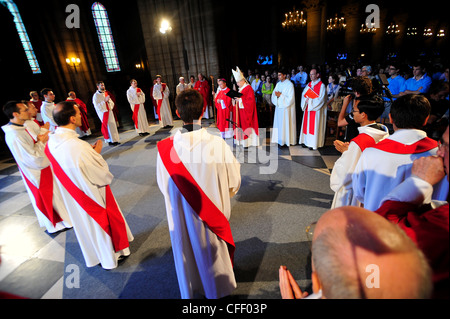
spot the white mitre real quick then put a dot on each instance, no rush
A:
(238, 75)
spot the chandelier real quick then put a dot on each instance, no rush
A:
(411, 31)
(336, 24)
(368, 30)
(293, 20)
(393, 29)
(441, 33)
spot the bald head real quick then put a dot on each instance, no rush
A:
(358, 254)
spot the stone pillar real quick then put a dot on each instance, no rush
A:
(313, 31)
(351, 15)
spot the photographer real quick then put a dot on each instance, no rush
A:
(361, 86)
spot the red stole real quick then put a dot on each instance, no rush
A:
(158, 109)
(201, 204)
(44, 194)
(136, 111)
(109, 218)
(105, 121)
(424, 145)
(312, 114)
(364, 141)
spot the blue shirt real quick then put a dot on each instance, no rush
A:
(413, 85)
(395, 86)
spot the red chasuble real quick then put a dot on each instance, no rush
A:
(202, 205)
(311, 116)
(223, 113)
(203, 88)
(83, 110)
(248, 117)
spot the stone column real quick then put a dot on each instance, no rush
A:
(314, 51)
(351, 15)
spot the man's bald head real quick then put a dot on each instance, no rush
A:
(352, 247)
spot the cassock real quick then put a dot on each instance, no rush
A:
(84, 129)
(384, 166)
(100, 228)
(37, 175)
(38, 103)
(223, 105)
(427, 225)
(284, 130)
(105, 113)
(314, 123)
(162, 99)
(247, 133)
(341, 176)
(47, 114)
(205, 91)
(197, 190)
(138, 109)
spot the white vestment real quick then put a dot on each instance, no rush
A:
(165, 112)
(31, 159)
(341, 176)
(98, 99)
(319, 105)
(90, 173)
(284, 130)
(202, 260)
(379, 172)
(133, 99)
(47, 114)
(34, 129)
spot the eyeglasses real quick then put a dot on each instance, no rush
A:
(354, 111)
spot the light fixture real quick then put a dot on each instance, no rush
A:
(441, 33)
(427, 32)
(368, 29)
(138, 65)
(336, 24)
(393, 29)
(411, 31)
(165, 27)
(293, 20)
(74, 62)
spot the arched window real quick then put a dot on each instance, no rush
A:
(29, 52)
(105, 37)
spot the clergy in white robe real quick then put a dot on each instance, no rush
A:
(341, 176)
(84, 180)
(198, 174)
(35, 169)
(284, 130)
(47, 108)
(104, 106)
(136, 98)
(387, 164)
(314, 106)
(161, 95)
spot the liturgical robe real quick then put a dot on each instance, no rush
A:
(247, 133)
(89, 172)
(102, 107)
(138, 109)
(31, 160)
(205, 91)
(380, 169)
(223, 105)
(341, 176)
(163, 107)
(314, 122)
(284, 130)
(202, 258)
(47, 115)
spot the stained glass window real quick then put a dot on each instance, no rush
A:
(29, 52)
(105, 37)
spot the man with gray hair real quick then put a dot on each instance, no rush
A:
(357, 254)
(182, 85)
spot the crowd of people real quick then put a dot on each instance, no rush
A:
(381, 178)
